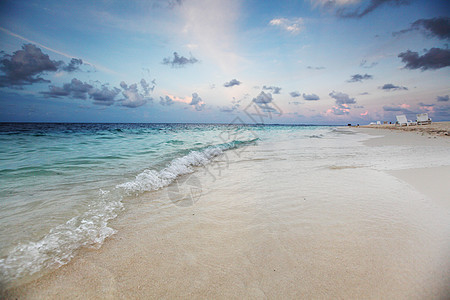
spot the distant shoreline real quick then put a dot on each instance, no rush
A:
(436, 128)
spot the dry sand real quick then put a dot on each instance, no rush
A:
(268, 230)
(436, 128)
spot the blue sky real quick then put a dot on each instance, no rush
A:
(298, 62)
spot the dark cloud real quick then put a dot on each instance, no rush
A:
(295, 102)
(391, 87)
(364, 93)
(179, 61)
(436, 27)
(73, 66)
(166, 101)
(75, 89)
(273, 89)
(197, 102)
(26, 66)
(424, 104)
(263, 98)
(367, 9)
(264, 101)
(359, 77)
(342, 99)
(364, 64)
(295, 94)
(104, 95)
(435, 58)
(231, 83)
(315, 68)
(442, 98)
(311, 97)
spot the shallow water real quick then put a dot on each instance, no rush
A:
(62, 183)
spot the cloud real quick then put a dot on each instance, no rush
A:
(359, 77)
(75, 89)
(424, 104)
(442, 111)
(231, 83)
(364, 10)
(73, 66)
(26, 66)
(197, 102)
(363, 64)
(339, 111)
(264, 101)
(135, 97)
(342, 99)
(104, 95)
(391, 87)
(234, 107)
(435, 27)
(315, 68)
(295, 102)
(311, 97)
(166, 101)
(404, 108)
(435, 58)
(295, 94)
(179, 61)
(273, 89)
(293, 26)
(442, 98)
(263, 98)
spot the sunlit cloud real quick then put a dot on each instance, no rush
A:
(293, 26)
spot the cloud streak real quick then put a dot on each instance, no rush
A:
(435, 27)
(392, 87)
(369, 8)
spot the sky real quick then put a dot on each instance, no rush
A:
(214, 61)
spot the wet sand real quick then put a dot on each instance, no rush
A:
(271, 228)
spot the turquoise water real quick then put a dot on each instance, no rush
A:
(62, 183)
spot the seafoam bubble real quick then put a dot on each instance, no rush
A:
(150, 180)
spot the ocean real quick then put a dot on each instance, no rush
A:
(69, 187)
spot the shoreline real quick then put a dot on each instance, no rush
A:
(268, 228)
(435, 128)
